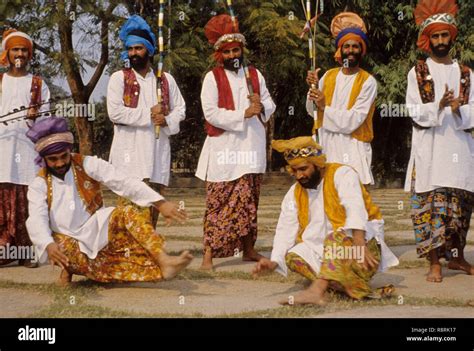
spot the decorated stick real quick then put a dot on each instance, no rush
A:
(47, 113)
(248, 79)
(159, 72)
(312, 40)
(35, 106)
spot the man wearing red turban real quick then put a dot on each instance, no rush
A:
(440, 101)
(233, 157)
(18, 89)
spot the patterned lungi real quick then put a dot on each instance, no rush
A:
(231, 214)
(345, 275)
(13, 215)
(130, 254)
(441, 219)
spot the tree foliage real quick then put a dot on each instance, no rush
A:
(272, 30)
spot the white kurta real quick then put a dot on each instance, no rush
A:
(339, 122)
(443, 155)
(241, 149)
(68, 214)
(135, 149)
(17, 151)
(311, 249)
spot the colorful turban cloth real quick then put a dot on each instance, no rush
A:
(50, 136)
(136, 31)
(433, 16)
(348, 26)
(12, 38)
(223, 34)
(299, 150)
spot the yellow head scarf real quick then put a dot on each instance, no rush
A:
(300, 149)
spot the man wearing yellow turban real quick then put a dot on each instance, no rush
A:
(440, 101)
(344, 102)
(329, 230)
(18, 89)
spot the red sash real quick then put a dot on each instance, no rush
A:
(225, 99)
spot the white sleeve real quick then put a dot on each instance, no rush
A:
(177, 108)
(129, 187)
(219, 117)
(37, 223)
(346, 121)
(118, 112)
(467, 111)
(265, 98)
(348, 188)
(286, 231)
(45, 96)
(425, 115)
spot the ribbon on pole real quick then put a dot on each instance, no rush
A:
(161, 53)
(310, 28)
(244, 64)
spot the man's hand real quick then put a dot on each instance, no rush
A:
(318, 97)
(158, 116)
(447, 99)
(171, 212)
(32, 114)
(254, 99)
(159, 120)
(253, 110)
(312, 77)
(56, 257)
(264, 266)
(455, 107)
(369, 261)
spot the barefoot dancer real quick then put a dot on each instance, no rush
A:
(329, 230)
(441, 167)
(233, 157)
(69, 225)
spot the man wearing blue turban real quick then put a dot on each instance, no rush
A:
(133, 107)
(342, 102)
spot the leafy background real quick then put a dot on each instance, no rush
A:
(76, 37)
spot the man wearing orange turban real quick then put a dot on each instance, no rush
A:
(18, 89)
(344, 103)
(440, 101)
(233, 157)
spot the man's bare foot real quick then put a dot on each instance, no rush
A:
(434, 275)
(65, 278)
(171, 265)
(305, 297)
(461, 265)
(206, 264)
(252, 256)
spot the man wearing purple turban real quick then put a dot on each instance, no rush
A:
(69, 225)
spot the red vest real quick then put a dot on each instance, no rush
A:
(225, 99)
(131, 90)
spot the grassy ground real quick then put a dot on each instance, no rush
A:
(78, 300)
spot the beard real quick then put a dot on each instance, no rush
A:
(59, 172)
(22, 62)
(138, 63)
(441, 50)
(354, 62)
(311, 182)
(233, 64)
